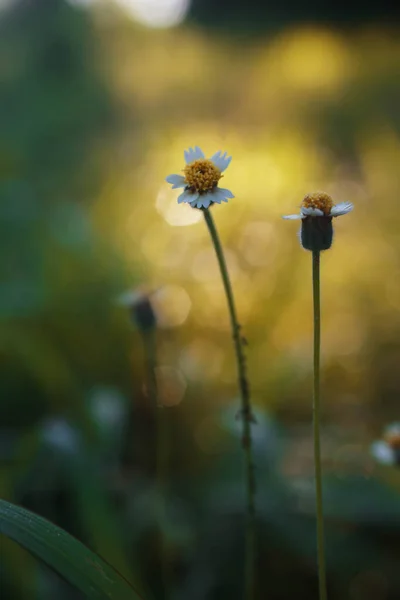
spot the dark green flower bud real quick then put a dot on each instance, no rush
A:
(140, 309)
(316, 233)
(142, 314)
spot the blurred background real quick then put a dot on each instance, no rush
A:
(100, 98)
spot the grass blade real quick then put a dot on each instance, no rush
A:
(65, 554)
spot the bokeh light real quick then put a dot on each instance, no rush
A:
(153, 13)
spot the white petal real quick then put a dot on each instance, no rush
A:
(183, 197)
(204, 200)
(60, 435)
(187, 196)
(221, 161)
(207, 200)
(383, 453)
(341, 209)
(215, 197)
(199, 152)
(130, 298)
(174, 178)
(215, 158)
(227, 193)
(193, 154)
(312, 212)
(292, 217)
(218, 196)
(177, 181)
(198, 203)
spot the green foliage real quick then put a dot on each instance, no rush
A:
(66, 555)
(55, 104)
(260, 16)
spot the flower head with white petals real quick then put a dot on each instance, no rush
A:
(200, 179)
(387, 450)
(320, 204)
(316, 213)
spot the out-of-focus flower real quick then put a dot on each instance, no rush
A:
(387, 450)
(201, 177)
(138, 302)
(59, 434)
(316, 213)
(108, 407)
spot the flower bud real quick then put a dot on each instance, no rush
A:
(140, 309)
(142, 314)
(316, 233)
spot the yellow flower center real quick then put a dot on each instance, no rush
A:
(202, 175)
(318, 200)
(393, 440)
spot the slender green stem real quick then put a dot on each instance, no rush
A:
(316, 425)
(161, 451)
(246, 413)
(150, 352)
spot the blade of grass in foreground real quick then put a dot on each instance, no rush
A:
(63, 553)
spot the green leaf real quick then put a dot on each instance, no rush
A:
(63, 553)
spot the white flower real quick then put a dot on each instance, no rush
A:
(320, 204)
(201, 177)
(59, 434)
(108, 408)
(383, 453)
(387, 451)
(316, 212)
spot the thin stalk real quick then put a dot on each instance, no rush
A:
(161, 451)
(316, 425)
(246, 413)
(150, 357)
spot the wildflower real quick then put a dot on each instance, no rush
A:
(387, 450)
(316, 213)
(59, 434)
(141, 310)
(200, 182)
(108, 408)
(200, 179)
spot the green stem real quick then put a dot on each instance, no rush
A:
(150, 352)
(161, 450)
(246, 413)
(316, 425)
